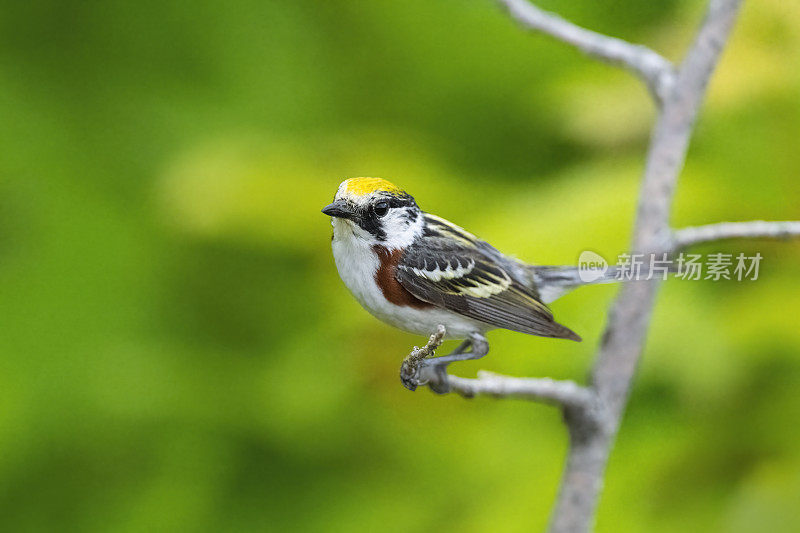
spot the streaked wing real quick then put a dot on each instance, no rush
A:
(463, 275)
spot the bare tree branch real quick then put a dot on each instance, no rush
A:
(564, 393)
(592, 414)
(756, 229)
(656, 71)
(629, 316)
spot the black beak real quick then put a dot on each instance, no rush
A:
(340, 209)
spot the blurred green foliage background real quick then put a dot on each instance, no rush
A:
(179, 354)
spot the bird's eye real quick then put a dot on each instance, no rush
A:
(381, 208)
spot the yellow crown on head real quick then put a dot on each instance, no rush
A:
(364, 186)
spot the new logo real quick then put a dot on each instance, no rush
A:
(591, 266)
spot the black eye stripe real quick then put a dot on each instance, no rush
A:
(371, 220)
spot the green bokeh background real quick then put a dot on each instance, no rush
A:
(179, 354)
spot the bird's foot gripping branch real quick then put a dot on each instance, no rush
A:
(421, 368)
(414, 372)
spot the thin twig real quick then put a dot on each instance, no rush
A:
(564, 393)
(656, 71)
(756, 229)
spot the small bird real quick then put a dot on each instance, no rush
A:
(414, 270)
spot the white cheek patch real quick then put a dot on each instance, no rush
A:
(399, 229)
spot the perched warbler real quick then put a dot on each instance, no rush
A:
(414, 270)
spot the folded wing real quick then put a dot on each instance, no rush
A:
(462, 276)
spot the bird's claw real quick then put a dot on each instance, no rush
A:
(409, 374)
(425, 372)
(418, 370)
